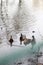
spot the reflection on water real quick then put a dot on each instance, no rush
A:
(23, 53)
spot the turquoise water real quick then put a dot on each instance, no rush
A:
(26, 51)
(14, 56)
